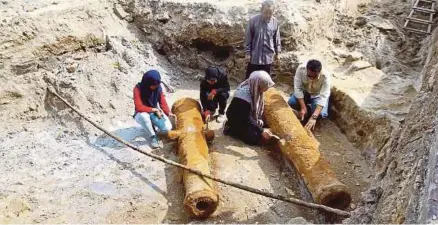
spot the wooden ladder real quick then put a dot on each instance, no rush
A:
(421, 17)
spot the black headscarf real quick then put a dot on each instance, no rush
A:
(150, 97)
(212, 73)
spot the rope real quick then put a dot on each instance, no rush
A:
(236, 185)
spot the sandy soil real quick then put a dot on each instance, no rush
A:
(58, 169)
(62, 174)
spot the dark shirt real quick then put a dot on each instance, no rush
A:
(262, 40)
(221, 86)
(240, 118)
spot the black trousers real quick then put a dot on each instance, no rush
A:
(219, 99)
(252, 67)
(247, 133)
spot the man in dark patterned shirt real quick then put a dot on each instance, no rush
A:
(262, 40)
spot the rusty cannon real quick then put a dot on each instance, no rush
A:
(300, 148)
(201, 200)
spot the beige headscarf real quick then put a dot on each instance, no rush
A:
(249, 90)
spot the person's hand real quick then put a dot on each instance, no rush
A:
(310, 126)
(247, 58)
(266, 135)
(303, 113)
(277, 59)
(173, 116)
(297, 114)
(158, 113)
(211, 96)
(260, 123)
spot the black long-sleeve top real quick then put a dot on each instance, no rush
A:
(222, 85)
(240, 118)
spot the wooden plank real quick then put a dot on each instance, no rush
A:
(419, 20)
(407, 20)
(429, 29)
(427, 1)
(424, 10)
(416, 30)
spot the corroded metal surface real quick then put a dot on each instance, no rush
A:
(303, 151)
(201, 200)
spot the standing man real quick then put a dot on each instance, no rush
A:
(311, 86)
(262, 40)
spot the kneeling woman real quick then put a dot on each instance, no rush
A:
(151, 107)
(244, 115)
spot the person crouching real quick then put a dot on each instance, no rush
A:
(244, 115)
(214, 91)
(151, 108)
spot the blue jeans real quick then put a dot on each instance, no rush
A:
(149, 120)
(295, 104)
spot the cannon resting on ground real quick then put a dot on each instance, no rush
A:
(201, 200)
(302, 150)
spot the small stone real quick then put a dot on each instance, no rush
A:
(434, 217)
(360, 21)
(72, 68)
(350, 44)
(163, 18)
(339, 52)
(24, 66)
(129, 18)
(357, 184)
(337, 41)
(352, 206)
(120, 12)
(354, 56)
(32, 108)
(289, 191)
(359, 65)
